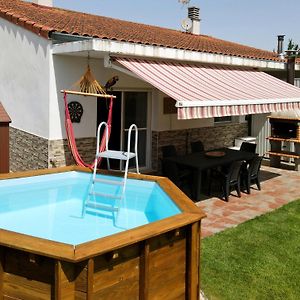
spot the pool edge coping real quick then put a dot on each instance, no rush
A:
(76, 253)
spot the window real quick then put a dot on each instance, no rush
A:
(223, 119)
(297, 82)
(136, 111)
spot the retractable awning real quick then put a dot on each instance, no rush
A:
(204, 91)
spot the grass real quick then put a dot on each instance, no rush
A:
(259, 259)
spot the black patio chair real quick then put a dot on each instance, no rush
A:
(251, 173)
(229, 179)
(168, 151)
(197, 147)
(248, 147)
(181, 179)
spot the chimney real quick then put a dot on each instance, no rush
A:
(42, 2)
(290, 66)
(194, 15)
(280, 39)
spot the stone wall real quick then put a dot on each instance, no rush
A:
(27, 151)
(221, 135)
(30, 152)
(60, 155)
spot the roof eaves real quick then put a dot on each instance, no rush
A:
(36, 28)
(206, 45)
(169, 53)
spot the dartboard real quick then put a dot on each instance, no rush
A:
(76, 111)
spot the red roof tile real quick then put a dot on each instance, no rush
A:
(43, 20)
(4, 117)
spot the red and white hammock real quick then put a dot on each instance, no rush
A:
(71, 137)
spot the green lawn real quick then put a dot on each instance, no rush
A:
(259, 259)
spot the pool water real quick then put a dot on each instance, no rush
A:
(53, 206)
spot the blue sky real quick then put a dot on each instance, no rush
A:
(250, 22)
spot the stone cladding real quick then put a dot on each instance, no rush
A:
(212, 138)
(60, 155)
(27, 151)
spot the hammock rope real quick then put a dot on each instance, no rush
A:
(71, 137)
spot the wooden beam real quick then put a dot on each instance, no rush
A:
(36, 245)
(144, 271)
(192, 262)
(297, 140)
(88, 94)
(90, 278)
(31, 173)
(64, 281)
(132, 236)
(284, 154)
(1, 272)
(4, 148)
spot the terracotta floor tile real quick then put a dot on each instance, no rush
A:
(278, 188)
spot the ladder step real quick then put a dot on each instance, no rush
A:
(114, 154)
(106, 195)
(108, 181)
(101, 206)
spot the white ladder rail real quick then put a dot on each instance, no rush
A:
(132, 127)
(121, 155)
(98, 146)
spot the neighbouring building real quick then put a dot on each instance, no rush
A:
(214, 84)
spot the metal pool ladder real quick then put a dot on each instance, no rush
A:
(111, 154)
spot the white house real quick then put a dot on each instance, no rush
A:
(46, 49)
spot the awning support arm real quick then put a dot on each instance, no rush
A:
(109, 64)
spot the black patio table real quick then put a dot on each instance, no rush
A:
(202, 161)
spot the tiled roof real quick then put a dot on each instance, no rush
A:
(4, 117)
(43, 20)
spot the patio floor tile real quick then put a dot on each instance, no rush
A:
(278, 187)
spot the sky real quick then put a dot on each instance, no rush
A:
(250, 22)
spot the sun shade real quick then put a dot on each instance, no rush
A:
(204, 91)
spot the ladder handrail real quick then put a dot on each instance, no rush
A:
(98, 135)
(108, 153)
(132, 127)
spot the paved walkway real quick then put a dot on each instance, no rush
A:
(279, 187)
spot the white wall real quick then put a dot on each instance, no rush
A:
(66, 71)
(261, 130)
(31, 80)
(24, 78)
(164, 122)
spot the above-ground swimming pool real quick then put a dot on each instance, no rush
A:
(59, 242)
(53, 206)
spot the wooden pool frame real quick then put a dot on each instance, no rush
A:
(160, 260)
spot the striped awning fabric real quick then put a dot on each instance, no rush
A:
(205, 91)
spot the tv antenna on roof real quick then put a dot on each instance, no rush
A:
(184, 2)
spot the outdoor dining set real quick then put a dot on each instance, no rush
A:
(230, 169)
